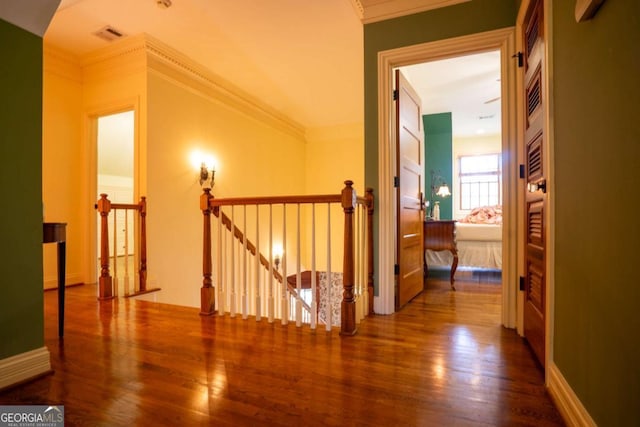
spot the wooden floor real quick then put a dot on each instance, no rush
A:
(444, 360)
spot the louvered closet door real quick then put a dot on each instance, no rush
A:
(536, 199)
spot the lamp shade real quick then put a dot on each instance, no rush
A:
(443, 191)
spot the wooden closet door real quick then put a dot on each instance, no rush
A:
(410, 167)
(536, 197)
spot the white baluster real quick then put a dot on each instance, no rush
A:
(126, 251)
(244, 263)
(220, 298)
(232, 282)
(298, 275)
(328, 297)
(284, 302)
(314, 301)
(258, 303)
(270, 300)
(115, 253)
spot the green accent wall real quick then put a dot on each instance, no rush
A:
(472, 17)
(438, 153)
(21, 296)
(596, 66)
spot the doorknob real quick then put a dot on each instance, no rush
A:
(532, 187)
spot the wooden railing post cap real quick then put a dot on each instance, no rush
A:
(348, 195)
(204, 199)
(104, 204)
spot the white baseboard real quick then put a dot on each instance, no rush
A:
(21, 367)
(572, 410)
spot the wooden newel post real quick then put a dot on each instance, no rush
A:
(143, 244)
(207, 295)
(348, 320)
(105, 282)
(369, 198)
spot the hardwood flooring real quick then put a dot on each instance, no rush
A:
(443, 360)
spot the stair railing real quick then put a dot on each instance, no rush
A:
(250, 282)
(125, 217)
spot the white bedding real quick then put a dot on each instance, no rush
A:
(479, 245)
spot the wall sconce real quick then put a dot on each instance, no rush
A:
(439, 187)
(277, 255)
(206, 166)
(207, 176)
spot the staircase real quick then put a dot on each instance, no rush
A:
(248, 278)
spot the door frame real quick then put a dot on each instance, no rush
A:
(90, 146)
(504, 41)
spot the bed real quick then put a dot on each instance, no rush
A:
(479, 241)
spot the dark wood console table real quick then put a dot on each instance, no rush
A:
(441, 236)
(56, 232)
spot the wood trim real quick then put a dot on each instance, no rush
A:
(24, 366)
(501, 39)
(274, 200)
(569, 405)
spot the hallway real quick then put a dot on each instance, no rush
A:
(444, 360)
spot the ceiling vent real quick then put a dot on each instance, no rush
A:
(109, 33)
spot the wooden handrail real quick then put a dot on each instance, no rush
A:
(209, 204)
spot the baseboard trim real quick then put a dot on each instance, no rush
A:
(23, 367)
(572, 410)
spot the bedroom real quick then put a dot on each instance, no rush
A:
(461, 116)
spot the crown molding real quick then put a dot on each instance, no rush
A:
(389, 9)
(61, 63)
(180, 68)
(146, 53)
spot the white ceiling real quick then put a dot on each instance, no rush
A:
(302, 57)
(467, 86)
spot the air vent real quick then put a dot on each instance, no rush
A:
(109, 34)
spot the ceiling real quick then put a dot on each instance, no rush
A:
(467, 86)
(303, 58)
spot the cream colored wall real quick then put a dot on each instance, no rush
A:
(114, 80)
(333, 155)
(61, 160)
(254, 159)
(489, 144)
(259, 153)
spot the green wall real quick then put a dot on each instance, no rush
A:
(438, 153)
(467, 18)
(596, 90)
(21, 299)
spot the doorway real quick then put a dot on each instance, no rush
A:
(461, 111)
(502, 41)
(115, 135)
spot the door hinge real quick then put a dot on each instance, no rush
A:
(522, 171)
(520, 59)
(395, 95)
(522, 283)
(396, 269)
(396, 181)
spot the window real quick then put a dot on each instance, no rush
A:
(480, 181)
